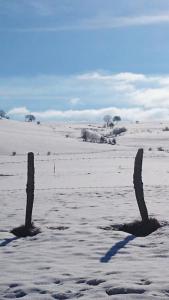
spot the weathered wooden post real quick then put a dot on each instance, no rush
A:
(30, 191)
(138, 185)
(28, 229)
(146, 225)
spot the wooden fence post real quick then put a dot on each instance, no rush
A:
(30, 190)
(138, 185)
(54, 168)
(147, 225)
(28, 229)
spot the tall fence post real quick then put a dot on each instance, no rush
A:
(138, 185)
(28, 229)
(30, 190)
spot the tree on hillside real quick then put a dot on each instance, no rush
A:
(3, 114)
(116, 119)
(30, 118)
(107, 119)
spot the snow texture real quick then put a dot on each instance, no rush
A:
(81, 190)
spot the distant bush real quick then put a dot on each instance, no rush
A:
(166, 129)
(103, 140)
(13, 153)
(160, 149)
(84, 134)
(117, 131)
(38, 122)
(3, 114)
(94, 137)
(48, 153)
(90, 136)
(111, 141)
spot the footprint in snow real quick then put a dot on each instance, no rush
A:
(57, 281)
(144, 282)
(58, 227)
(60, 296)
(13, 285)
(17, 294)
(82, 280)
(95, 282)
(64, 296)
(38, 291)
(117, 291)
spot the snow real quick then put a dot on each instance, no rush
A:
(81, 189)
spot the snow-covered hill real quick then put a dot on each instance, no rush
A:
(80, 190)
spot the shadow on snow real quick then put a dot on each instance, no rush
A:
(5, 242)
(115, 249)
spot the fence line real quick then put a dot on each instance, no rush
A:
(82, 158)
(85, 187)
(12, 162)
(68, 188)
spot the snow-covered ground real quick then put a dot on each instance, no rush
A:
(82, 189)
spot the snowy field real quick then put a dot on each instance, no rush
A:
(81, 189)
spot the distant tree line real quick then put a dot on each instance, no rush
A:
(28, 118)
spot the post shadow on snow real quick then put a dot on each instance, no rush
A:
(5, 242)
(116, 248)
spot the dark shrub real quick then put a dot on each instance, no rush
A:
(166, 129)
(117, 131)
(160, 149)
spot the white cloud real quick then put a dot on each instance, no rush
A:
(74, 101)
(94, 23)
(18, 111)
(152, 97)
(107, 22)
(130, 77)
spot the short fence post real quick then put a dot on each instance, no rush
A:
(54, 168)
(138, 185)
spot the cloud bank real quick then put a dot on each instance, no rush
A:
(95, 115)
(88, 96)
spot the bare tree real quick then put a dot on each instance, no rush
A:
(3, 114)
(107, 119)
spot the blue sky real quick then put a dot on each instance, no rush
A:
(77, 60)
